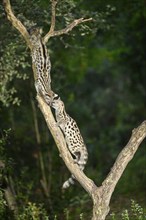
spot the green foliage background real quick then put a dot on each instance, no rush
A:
(99, 71)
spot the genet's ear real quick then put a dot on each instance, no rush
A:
(34, 30)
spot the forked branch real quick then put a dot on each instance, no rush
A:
(65, 30)
(23, 31)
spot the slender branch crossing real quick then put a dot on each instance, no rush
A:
(67, 29)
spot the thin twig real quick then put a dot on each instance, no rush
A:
(38, 138)
(36, 126)
(67, 29)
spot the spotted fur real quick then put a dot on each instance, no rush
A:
(73, 137)
(41, 65)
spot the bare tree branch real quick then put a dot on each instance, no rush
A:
(16, 22)
(125, 156)
(53, 17)
(22, 29)
(65, 30)
(102, 195)
(71, 26)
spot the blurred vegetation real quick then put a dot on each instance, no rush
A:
(99, 71)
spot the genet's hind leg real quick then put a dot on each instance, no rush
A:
(76, 156)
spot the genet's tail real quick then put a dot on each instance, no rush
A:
(68, 182)
(81, 163)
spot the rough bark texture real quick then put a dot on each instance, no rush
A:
(100, 195)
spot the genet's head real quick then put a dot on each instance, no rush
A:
(35, 32)
(58, 104)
